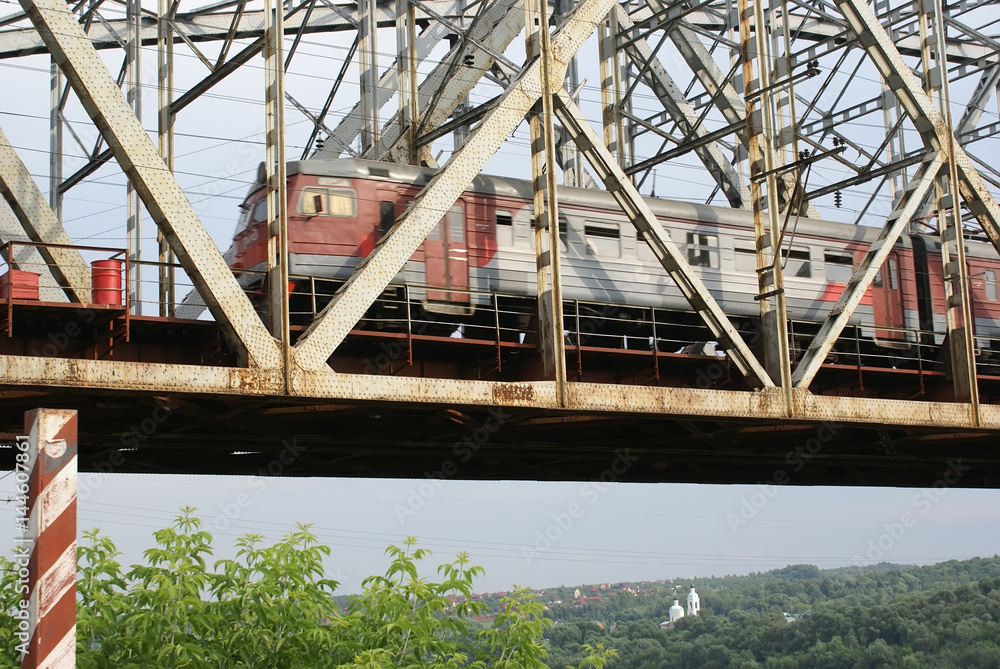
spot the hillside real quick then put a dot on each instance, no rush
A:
(942, 615)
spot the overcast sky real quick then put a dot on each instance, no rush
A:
(625, 532)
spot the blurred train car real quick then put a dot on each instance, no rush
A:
(484, 246)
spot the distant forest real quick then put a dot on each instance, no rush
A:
(942, 615)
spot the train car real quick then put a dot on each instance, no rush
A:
(484, 246)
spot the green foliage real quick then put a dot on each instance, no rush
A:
(941, 616)
(272, 606)
(10, 601)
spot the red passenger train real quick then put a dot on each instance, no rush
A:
(483, 247)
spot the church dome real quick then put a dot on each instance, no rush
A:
(694, 602)
(676, 611)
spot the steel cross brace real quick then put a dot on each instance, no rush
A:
(394, 249)
(40, 224)
(166, 203)
(350, 127)
(499, 24)
(670, 257)
(683, 113)
(920, 108)
(876, 254)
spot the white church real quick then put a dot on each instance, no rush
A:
(677, 611)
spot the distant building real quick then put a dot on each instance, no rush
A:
(694, 602)
(676, 611)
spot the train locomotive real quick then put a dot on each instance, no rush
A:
(483, 247)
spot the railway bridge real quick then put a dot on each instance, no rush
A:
(781, 108)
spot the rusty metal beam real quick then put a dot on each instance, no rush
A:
(764, 405)
(393, 250)
(40, 224)
(164, 200)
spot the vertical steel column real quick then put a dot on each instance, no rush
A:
(611, 86)
(768, 234)
(461, 132)
(165, 135)
(551, 341)
(133, 74)
(958, 307)
(406, 62)
(569, 156)
(48, 454)
(368, 60)
(277, 192)
(55, 140)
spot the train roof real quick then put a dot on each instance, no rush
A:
(356, 168)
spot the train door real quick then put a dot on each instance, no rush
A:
(446, 253)
(887, 299)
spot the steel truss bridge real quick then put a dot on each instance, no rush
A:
(894, 104)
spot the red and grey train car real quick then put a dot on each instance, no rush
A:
(484, 245)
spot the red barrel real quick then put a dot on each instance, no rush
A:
(106, 280)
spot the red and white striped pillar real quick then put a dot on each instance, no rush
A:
(51, 538)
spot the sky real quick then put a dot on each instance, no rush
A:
(521, 532)
(551, 534)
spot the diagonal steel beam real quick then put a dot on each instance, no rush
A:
(917, 104)
(166, 203)
(840, 314)
(40, 224)
(394, 249)
(28, 258)
(618, 184)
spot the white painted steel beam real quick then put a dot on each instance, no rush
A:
(876, 254)
(163, 198)
(39, 224)
(918, 105)
(764, 405)
(670, 257)
(410, 230)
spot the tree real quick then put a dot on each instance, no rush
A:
(272, 606)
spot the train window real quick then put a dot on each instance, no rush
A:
(259, 211)
(456, 225)
(877, 281)
(991, 284)
(702, 249)
(745, 256)
(505, 228)
(796, 263)
(838, 266)
(386, 216)
(342, 203)
(893, 275)
(435, 234)
(313, 201)
(602, 240)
